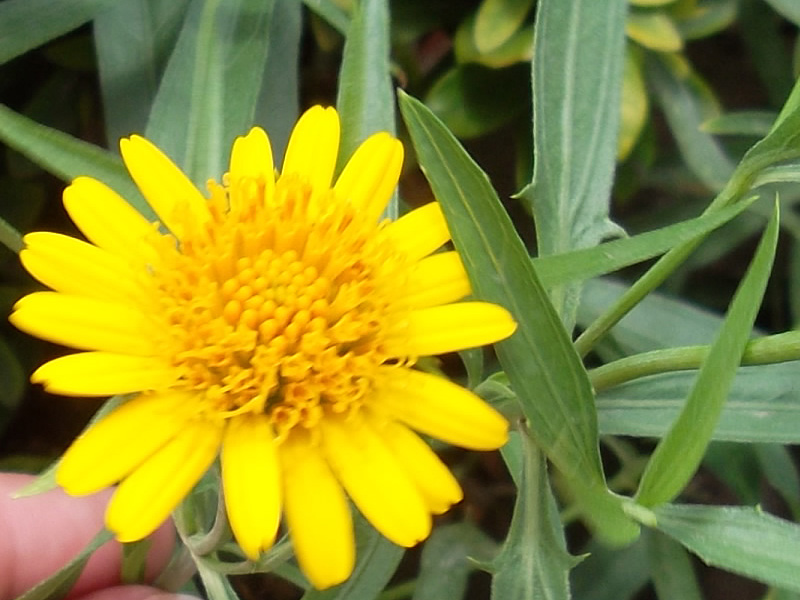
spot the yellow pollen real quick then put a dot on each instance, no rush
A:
(279, 304)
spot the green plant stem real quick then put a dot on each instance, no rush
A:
(201, 546)
(278, 554)
(180, 569)
(765, 350)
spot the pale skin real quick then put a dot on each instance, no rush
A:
(39, 534)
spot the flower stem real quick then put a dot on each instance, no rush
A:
(765, 350)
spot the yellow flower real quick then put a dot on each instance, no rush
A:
(276, 326)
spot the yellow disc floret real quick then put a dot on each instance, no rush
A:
(279, 303)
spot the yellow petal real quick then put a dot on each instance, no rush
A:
(376, 482)
(437, 279)
(313, 147)
(74, 267)
(251, 161)
(103, 374)
(84, 323)
(437, 407)
(251, 481)
(419, 232)
(371, 174)
(122, 440)
(431, 476)
(105, 218)
(452, 327)
(317, 513)
(148, 495)
(174, 198)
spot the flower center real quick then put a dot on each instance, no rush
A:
(279, 304)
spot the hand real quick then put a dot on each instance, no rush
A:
(40, 534)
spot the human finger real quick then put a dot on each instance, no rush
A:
(40, 534)
(134, 592)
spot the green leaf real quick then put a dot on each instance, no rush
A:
(679, 453)
(132, 40)
(653, 30)
(331, 12)
(671, 569)
(578, 265)
(788, 8)
(683, 98)
(365, 101)
(517, 48)
(777, 466)
(216, 584)
(465, 98)
(26, 24)
(539, 358)
(736, 466)
(709, 18)
(743, 540)
(209, 91)
(635, 104)
(761, 31)
(781, 144)
(377, 559)
(534, 562)
(579, 57)
(67, 157)
(497, 21)
(746, 122)
(609, 574)
(59, 584)
(763, 406)
(278, 104)
(448, 558)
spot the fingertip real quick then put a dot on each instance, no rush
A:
(135, 592)
(42, 533)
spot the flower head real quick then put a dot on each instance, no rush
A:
(274, 324)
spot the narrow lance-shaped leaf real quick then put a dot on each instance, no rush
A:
(539, 359)
(365, 101)
(577, 80)
(448, 558)
(132, 42)
(67, 157)
(534, 562)
(578, 265)
(680, 451)
(739, 539)
(209, 91)
(763, 406)
(278, 103)
(679, 94)
(672, 570)
(331, 12)
(26, 24)
(781, 144)
(610, 573)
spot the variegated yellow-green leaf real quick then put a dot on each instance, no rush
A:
(653, 30)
